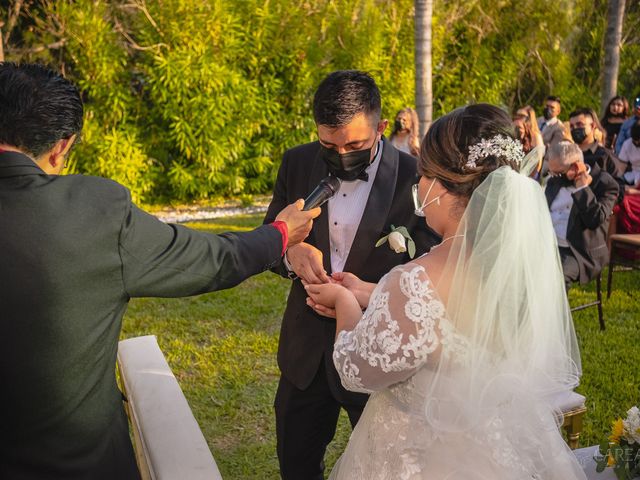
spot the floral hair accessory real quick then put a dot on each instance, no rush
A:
(495, 146)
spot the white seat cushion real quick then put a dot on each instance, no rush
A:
(566, 401)
(172, 442)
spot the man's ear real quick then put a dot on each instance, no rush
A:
(60, 151)
(382, 125)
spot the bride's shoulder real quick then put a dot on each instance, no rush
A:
(414, 269)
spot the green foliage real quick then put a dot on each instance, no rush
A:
(194, 99)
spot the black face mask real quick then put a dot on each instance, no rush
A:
(578, 134)
(548, 114)
(347, 166)
(398, 126)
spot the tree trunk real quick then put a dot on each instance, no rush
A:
(612, 40)
(1, 42)
(424, 92)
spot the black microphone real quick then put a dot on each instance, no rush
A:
(326, 189)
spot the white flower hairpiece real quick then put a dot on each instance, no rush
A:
(498, 145)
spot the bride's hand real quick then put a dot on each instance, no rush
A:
(327, 294)
(321, 309)
(361, 290)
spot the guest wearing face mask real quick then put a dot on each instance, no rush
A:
(375, 194)
(615, 114)
(550, 125)
(582, 122)
(581, 199)
(405, 132)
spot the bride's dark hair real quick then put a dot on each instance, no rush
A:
(445, 147)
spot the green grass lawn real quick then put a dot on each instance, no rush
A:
(222, 348)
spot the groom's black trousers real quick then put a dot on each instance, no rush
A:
(306, 422)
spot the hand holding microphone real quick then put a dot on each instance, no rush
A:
(326, 189)
(299, 218)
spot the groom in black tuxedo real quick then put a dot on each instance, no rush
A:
(73, 251)
(374, 195)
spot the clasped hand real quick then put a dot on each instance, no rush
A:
(324, 290)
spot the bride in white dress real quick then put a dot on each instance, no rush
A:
(463, 348)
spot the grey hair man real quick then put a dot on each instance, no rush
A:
(581, 200)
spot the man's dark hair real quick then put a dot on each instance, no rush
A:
(587, 112)
(553, 98)
(38, 107)
(344, 94)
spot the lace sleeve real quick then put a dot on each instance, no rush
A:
(396, 335)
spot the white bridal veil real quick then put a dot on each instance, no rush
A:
(484, 409)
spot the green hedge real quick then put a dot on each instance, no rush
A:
(193, 99)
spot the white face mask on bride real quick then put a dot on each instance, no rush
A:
(420, 206)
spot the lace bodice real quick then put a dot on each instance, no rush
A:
(403, 329)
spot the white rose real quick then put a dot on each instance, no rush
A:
(632, 425)
(397, 242)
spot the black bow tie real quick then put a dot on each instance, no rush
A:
(364, 176)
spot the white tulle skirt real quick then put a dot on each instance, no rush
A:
(395, 440)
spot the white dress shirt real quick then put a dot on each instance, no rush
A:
(543, 123)
(560, 209)
(631, 154)
(345, 212)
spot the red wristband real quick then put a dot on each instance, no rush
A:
(284, 231)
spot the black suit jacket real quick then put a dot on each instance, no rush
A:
(73, 250)
(306, 337)
(588, 221)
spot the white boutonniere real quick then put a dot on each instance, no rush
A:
(399, 241)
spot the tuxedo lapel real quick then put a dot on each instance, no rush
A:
(551, 191)
(376, 211)
(319, 171)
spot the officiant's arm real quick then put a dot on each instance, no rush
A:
(164, 260)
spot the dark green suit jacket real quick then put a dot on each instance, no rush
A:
(73, 251)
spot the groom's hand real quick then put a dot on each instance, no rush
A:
(299, 223)
(306, 262)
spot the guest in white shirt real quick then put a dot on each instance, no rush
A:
(630, 153)
(581, 201)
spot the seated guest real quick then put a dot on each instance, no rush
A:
(625, 129)
(599, 133)
(536, 136)
(74, 249)
(406, 132)
(581, 200)
(615, 114)
(583, 128)
(630, 154)
(550, 126)
(529, 140)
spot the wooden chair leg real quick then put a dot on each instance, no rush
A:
(611, 265)
(574, 429)
(599, 294)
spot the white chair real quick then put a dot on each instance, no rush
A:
(572, 405)
(168, 442)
